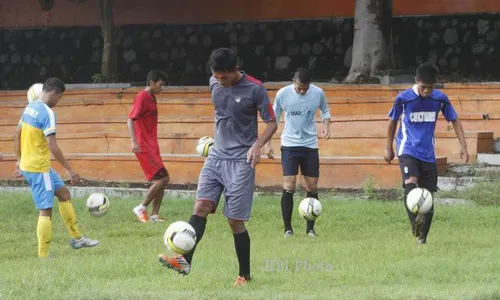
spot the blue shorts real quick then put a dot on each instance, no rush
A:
(43, 187)
(306, 158)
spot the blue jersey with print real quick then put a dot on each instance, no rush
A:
(415, 136)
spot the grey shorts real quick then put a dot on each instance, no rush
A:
(236, 179)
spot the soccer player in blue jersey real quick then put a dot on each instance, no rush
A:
(418, 109)
(299, 140)
(230, 166)
(34, 141)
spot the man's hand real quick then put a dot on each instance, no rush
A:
(75, 177)
(253, 155)
(17, 171)
(268, 150)
(135, 148)
(388, 154)
(464, 155)
(325, 133)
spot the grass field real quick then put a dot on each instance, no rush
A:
(365, 248)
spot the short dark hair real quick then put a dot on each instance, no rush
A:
(223, 60)
(303, 75)
(54, 84)
(427, 73)
(156, 75)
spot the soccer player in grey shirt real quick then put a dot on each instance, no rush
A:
(299, 141)
(230, 166)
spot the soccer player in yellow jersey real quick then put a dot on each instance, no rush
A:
(34, 141)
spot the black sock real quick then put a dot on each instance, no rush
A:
(310, 224)
(427, 224)
(242, 246)
(287, 208)
(411, 216)
(198, 224)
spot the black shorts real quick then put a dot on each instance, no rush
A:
(306, 158)
(426, 172)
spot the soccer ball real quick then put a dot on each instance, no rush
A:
(180, 237)
(97, 204)
(310, 209)
(419, 200)
(203, 145)
(34, 92)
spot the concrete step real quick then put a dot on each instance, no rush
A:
(489, 159)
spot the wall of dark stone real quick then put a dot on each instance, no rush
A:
(465, 47)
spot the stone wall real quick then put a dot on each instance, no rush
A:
(465, 46)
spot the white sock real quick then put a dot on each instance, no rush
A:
(141, 207)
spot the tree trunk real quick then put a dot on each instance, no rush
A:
(372, 47)
(108, 63)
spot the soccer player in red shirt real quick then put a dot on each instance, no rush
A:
(143, 127)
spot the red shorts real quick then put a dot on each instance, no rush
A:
(152, 165)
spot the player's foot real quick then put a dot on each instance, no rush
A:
(83, 242)
(241, 281)
(141, 214)
(178, 264)
(156, 219)
(312, 233)
(288, 233)
(421, 241)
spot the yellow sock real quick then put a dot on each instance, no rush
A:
(44, 234)
(69, 217)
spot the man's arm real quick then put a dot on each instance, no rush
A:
(451, 115)
(266, 112)
(391, 132)
(58, 155)
(394, 114)
(459, 130)
(137, 110)
(17, 143)
(17, 150)
(131, 130)
(278, 109)
(325, 116)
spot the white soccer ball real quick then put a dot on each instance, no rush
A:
(419, 200)
(310, 209)
(203, 145)
(180, 237)
(34, 92)
(97, 204)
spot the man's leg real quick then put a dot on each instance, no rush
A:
(43, 196)
(153, 168)
(410, 173)
(290, 166)
(239, 183)
(427, 180)
(309, 167)
(207, 195)
(68, 214)
(161, 179)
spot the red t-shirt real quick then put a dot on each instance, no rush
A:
(145, 115)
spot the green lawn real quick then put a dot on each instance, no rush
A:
(366, 250)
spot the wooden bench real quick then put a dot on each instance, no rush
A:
(340, 144)
(336, 172)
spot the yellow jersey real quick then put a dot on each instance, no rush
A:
(37, 122)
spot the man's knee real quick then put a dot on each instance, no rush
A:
(237, 226)
(63, 194)
(203, 208)
(311, 184)
(289, 183)
(410, 184)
